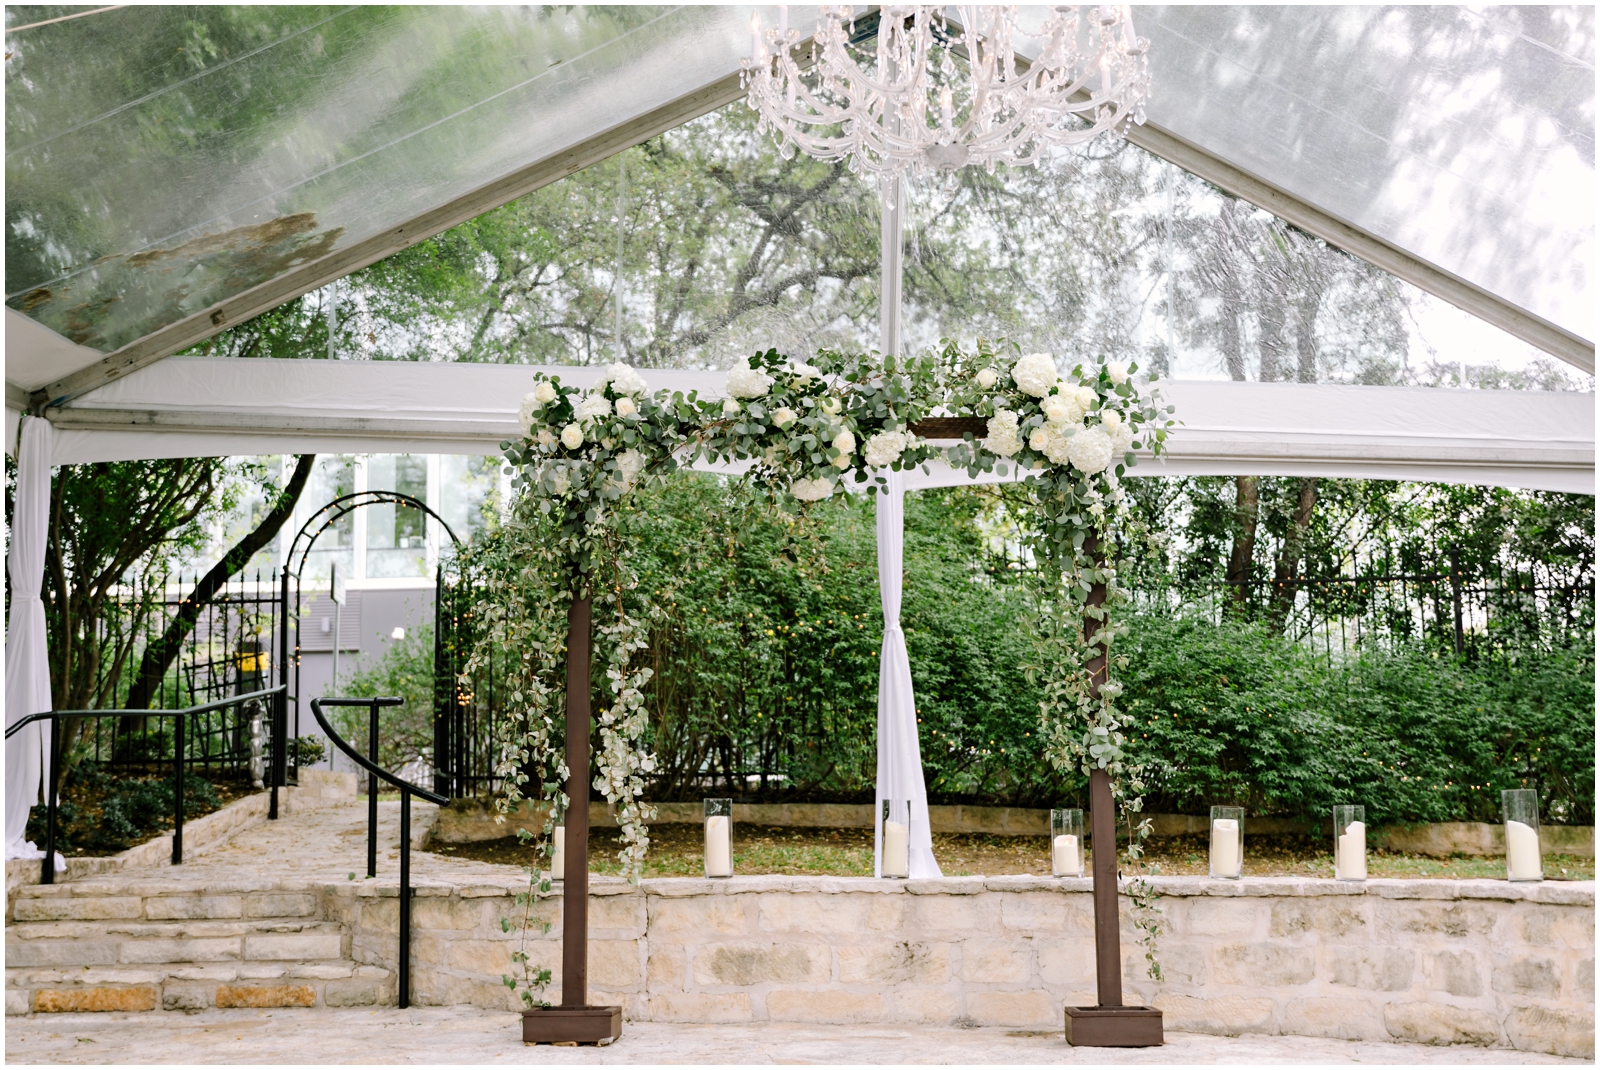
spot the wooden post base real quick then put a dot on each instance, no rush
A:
(1114, 1027)
(571, 1025)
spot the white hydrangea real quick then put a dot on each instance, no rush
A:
(629, 464)
(1118, 372)
(784, 417)
(885, 448)
(1061, 409)
(730, 407)
(528, 410)
(1057, 451)
(1111, 420)
(1035, 374)
(804, 374)
(1089, 450)
(572, 436)
(1121, 443)
(811, 490)
(592, 405)
(623, 379)
(747, 382)
(627, 407)
(1003, 438)
(845, 443)
(987, 378)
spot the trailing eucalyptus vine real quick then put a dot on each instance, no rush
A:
(805, 430)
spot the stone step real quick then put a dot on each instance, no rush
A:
(189, 986)
(52, 944)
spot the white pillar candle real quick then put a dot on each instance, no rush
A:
(719, 846)
(896, 850)
(1064, 857)
(1225, 847)
(1522, 852)
(1350, 861)
(558, 861)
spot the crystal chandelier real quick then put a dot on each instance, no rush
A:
(944, 87)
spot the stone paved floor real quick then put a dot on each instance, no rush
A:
(466, 1035)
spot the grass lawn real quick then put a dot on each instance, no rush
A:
(675, 851)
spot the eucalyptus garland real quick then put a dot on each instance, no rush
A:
(806, 430)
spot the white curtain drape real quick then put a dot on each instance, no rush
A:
(27, 667)
(899, 754)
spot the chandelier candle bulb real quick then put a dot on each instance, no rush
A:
(1350, 843)
(896, 840)
(719, 837)
(1066, 843)
(1521, 810)
(1227, 842)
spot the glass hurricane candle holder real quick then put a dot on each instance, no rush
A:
(895, 838)
(1521, 810)
(1066, 843)
(719, 837)
(1350, 843)
(1227, 842)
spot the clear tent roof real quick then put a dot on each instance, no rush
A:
(166, 164)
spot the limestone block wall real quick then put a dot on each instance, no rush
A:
(1437, 962)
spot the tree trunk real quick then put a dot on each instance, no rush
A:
(1246, 515)
(1287, 569)
(159, 655)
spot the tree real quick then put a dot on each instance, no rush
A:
(160, 653)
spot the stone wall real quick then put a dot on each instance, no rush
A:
(1437, 962)
(471, 820)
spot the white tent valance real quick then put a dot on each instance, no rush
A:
(187, 407)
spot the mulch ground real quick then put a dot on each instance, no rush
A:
(675, 851)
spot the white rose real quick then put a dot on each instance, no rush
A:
(1089, 450)
(1087, 397)
(593, 405)
(623, 379)
(811, 490)
(1035, 374)
(1118, 372)
(546, 439)
(572, 436)
(987, 378)
(746, 382)
(1039, 439)
(730, 407)
(545, 392)
(1111, 420)
(1003, 438)
(784, 417)
(627, 407)
(629, 464)
(845, 443)
(885, 448)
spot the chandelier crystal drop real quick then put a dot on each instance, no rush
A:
(912, 87)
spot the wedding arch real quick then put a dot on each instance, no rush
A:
(803, 431)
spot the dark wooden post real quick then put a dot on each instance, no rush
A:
(1108, 1024)
(574, 1019)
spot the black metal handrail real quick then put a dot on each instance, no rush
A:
(375, 772)
(55, 717)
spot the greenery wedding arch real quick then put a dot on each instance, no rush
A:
(803, 431)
